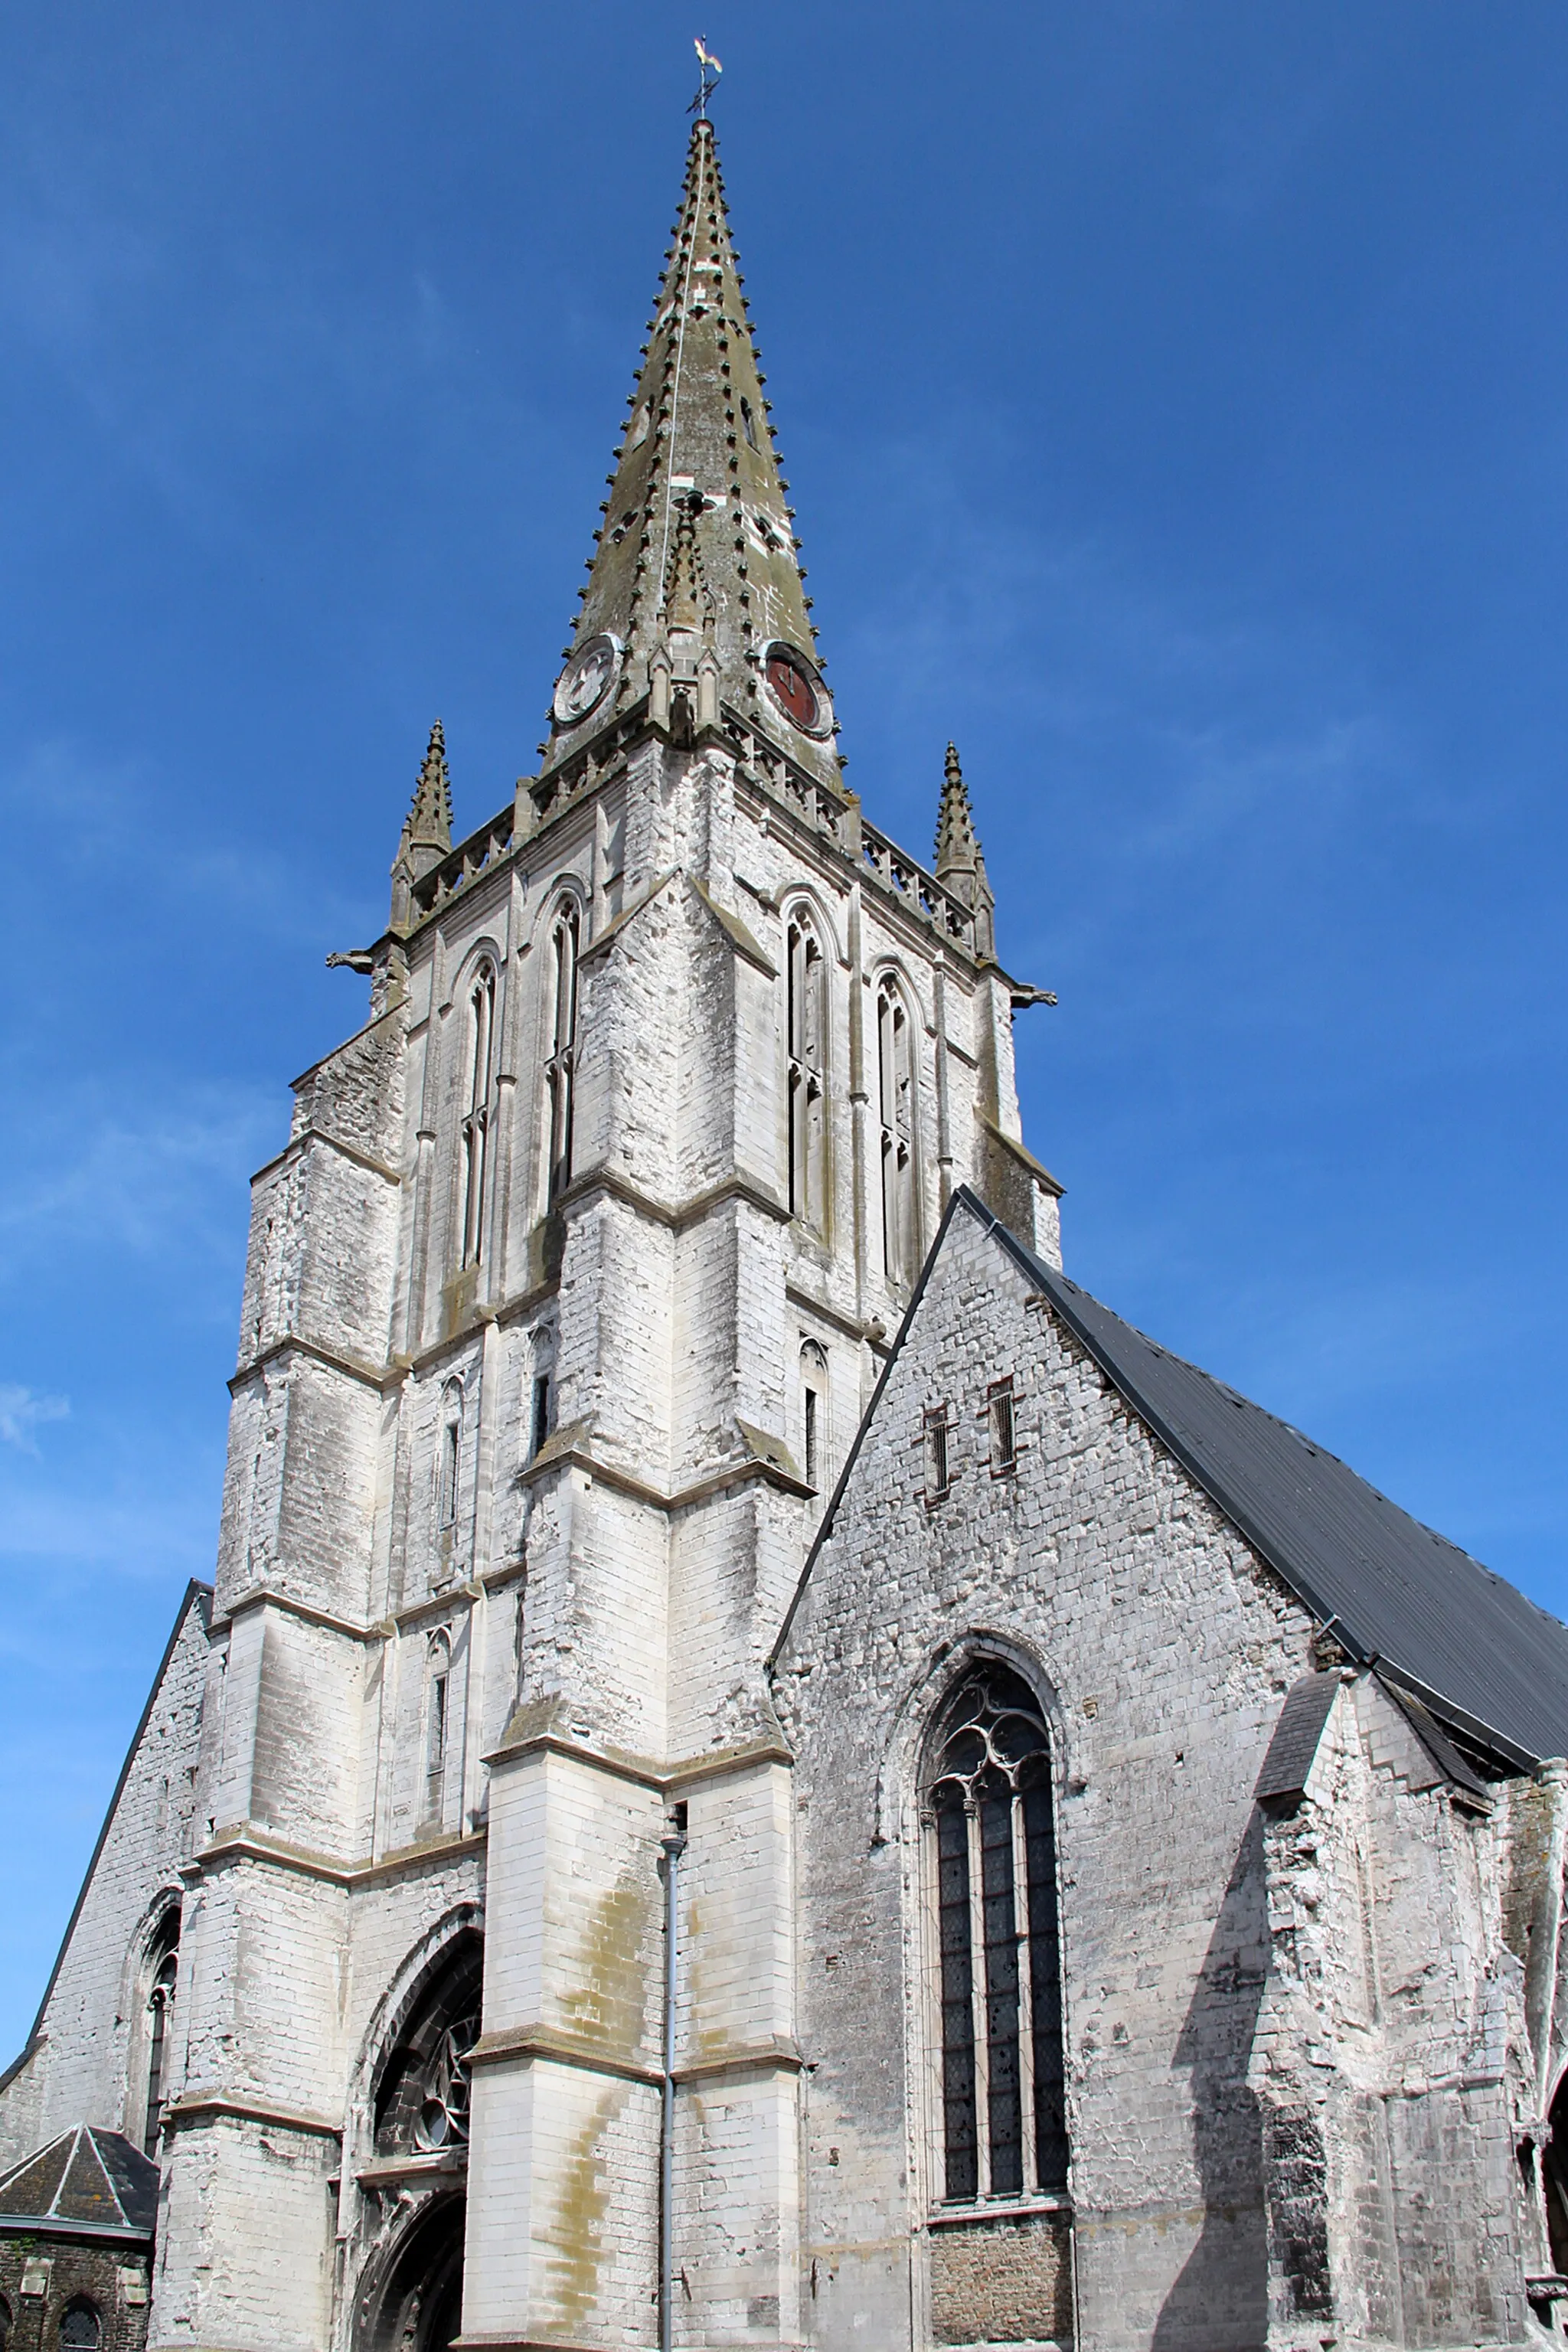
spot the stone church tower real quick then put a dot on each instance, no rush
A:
(760, 1768)
(561, 1308)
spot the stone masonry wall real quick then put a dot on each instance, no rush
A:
(41, 2276)
(1162, 1651)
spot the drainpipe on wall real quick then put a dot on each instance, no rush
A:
(673, 1844)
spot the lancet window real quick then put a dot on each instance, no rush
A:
(438, 1711)
(81, 2326)
(807, 980)
(896, 1094)
(448, 1467)
(477, 1117)
(812, 1411)
(560, 1064)
(990, 1832)
(163, 1963)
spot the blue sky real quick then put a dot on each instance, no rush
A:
(1175, 399)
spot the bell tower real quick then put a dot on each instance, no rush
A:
(561, 1310)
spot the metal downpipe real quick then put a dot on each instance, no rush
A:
(674, 1846)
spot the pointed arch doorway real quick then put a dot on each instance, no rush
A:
(420, 2305)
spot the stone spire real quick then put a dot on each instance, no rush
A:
(428, 825)
(426, 829)
(960, 861)
(698, 459)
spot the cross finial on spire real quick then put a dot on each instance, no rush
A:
(709, 70)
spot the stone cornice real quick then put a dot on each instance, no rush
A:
(204, 2106)
(526, 1736)
(245, 1843)
(677, 1215)
(1021, 1154)
(549, 2042)
(295, 1343)
(568, 1451)
(267, 1596)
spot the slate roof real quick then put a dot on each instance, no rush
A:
(1489, 1663)
(87, 2183)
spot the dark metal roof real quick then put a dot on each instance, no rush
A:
(1487, 1661)
(87, 2183)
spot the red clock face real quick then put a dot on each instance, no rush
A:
(795, 691)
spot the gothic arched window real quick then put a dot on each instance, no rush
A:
(990, 1832)
(422, 2091)
(438, 1678)
(560, 1064)
(163, 1968)
(477, 1118)
(896, 1101)
(81, 2328)
(449, 1463)
(807, 1024)
(812, 1412)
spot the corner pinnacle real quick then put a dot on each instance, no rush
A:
(960, 861)
(430, 820)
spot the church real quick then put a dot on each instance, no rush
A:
(759, 1768)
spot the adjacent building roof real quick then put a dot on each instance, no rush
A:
(1487, 1662)
(87, 2183)
(1480, 1660)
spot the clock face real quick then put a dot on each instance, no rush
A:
(797, 689)
(585, 680)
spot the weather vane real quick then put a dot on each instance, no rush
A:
(710, 69)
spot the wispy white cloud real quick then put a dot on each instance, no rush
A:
(114, 806)
(23, 1411)
(142, 1176)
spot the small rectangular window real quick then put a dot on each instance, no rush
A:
(938, 1481)
(811, 1437)
(1004, 1434)
(541, 1427)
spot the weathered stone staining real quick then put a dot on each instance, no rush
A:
(1086, 1933)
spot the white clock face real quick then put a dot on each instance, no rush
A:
(586, 680)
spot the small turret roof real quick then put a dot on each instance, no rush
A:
(89, 2182)
(698, 448)
(429, 821)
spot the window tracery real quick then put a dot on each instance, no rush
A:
(990, 1832)
(477, 1119)
(806, 1024)
(896, 1096)
(163, 1963)
(421, 2097)
(560, 1064)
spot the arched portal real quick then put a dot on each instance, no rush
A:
(419, 2306)
(410, 2293)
